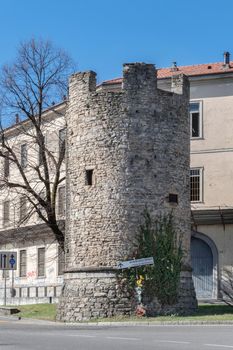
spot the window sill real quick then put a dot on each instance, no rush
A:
(196, 138)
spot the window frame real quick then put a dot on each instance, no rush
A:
(6, 218)
(201, 171)
(24, 265)
(200, 120)
(39, 263)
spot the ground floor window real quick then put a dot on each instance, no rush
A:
(41, 262)
(22, 263)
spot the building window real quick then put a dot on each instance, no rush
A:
(196, 184)
(6, 165)
(195, 119)
(22, 263)
(24, 155)
(41, 262)
(6, 213)
(61, 201)
(61, 261)
(62, 140)
(89, 177)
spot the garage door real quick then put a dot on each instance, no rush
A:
(202, 264)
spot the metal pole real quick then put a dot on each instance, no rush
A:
(5, 288)
(12, 281)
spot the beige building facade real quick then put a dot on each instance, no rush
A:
(211, 173)
(211, 162)
(40, 262)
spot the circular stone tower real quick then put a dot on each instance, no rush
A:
(126, 150)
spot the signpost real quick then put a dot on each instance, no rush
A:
(8, 261)
(134, 263)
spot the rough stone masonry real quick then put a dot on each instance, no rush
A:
(126, 150)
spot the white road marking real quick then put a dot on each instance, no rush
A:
(80, 335)
(173, 341)
(220, 346)
(121, 338)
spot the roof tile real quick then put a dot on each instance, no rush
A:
(194, 70)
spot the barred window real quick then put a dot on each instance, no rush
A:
(41, 262)
(195, 120)
(22, 263)
(196, 185)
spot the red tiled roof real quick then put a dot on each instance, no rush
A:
(113, 81)
(195, 70)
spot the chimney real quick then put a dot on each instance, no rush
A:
(226, 59)
(174, 67)
(16, 118)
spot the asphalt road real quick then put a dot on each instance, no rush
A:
(22, 335)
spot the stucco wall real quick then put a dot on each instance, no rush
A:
(32, 288)
(214, 151)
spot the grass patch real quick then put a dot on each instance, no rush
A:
(38, 311)
(205, 312)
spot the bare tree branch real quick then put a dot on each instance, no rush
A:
(35, 81)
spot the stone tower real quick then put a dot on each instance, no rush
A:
(126, 150)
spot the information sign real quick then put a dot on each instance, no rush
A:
(134, 263)
(8, 260)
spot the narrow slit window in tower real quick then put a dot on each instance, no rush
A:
(89, 177)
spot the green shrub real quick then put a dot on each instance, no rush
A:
(158, 239)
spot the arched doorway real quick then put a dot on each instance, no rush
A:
(204, 265)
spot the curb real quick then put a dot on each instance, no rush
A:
(116, 324)
(148, 323)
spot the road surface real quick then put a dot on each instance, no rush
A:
(23, 335)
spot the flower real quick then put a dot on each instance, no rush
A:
(140, 310)
(139, 281)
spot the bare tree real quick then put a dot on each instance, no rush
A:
(31, 88)
(226, 287)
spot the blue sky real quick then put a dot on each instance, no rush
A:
(103, 34)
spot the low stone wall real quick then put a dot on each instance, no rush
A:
(31, 295)
(92, 295)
